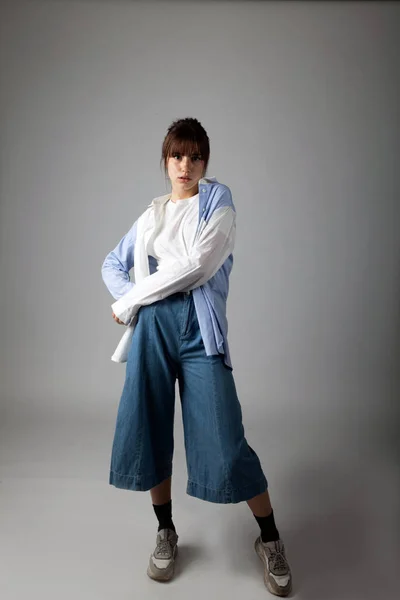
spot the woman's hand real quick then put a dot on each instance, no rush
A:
(117, 320)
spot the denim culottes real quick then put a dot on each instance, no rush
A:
(167, 346)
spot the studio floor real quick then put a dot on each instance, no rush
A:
(65, 533)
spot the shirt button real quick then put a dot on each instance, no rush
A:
(203, 190)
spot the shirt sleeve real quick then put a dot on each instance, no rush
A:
(118, 263)
(213, 246)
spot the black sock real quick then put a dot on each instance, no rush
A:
(269, 532)
(164, 515)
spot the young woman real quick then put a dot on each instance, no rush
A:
(176, 329)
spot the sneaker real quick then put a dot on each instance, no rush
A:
(161, 564)
(277, 575)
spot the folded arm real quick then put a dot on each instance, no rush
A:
(212, 248)
(117, 264)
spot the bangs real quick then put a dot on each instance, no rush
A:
(184, 147)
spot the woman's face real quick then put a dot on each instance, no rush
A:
(185, 173)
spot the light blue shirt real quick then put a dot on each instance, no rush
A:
(210, 299)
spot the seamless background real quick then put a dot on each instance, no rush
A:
(300, 100)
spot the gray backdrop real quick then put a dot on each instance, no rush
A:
(300, 101)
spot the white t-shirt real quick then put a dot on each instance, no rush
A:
(176, 235)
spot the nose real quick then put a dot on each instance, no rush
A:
(185, 165)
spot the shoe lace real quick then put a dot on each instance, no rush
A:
(164, 547)
(278, 559)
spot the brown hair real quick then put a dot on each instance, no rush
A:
(186, 137)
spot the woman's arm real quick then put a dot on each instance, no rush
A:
(117, 264)
(209, 253)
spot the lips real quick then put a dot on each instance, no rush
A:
(184, 178)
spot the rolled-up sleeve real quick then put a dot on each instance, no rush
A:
(213, 246)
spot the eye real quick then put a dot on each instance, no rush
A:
(176, 155)
(196, 157)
